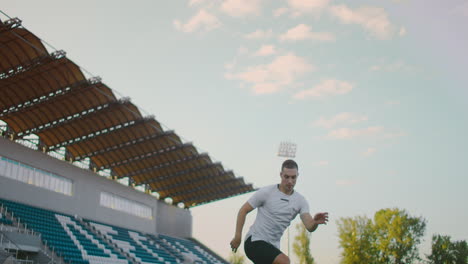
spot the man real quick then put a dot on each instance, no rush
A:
(277, 206)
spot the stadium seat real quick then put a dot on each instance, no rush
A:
(187, 246)
(4, 220)
(76, 242)
(135, 244)
(64, 235)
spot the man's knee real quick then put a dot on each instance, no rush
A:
(281, 259)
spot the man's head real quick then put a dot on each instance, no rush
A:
(289, 174)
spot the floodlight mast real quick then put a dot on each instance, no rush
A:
(287, 150)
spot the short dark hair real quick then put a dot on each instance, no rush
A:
(289, 164)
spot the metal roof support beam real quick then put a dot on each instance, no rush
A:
(166, 165)
(70, 118)
(200, 188)
(210, 196)
(191, 181)
(13, 23)
(131, 182)
(46, 97)
(125, 144)
(181, 173)
(15, 70)
(146, 155)
(104, 131)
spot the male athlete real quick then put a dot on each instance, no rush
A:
(277, 206)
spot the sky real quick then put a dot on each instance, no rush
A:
(372, 92)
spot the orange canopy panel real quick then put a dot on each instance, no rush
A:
(47, 95)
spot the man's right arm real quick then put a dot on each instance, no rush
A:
(245, 209)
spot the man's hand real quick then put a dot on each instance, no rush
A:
(235, 242)
(321, 218)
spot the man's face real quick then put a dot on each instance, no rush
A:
(288, 178)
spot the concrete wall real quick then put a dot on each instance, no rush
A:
(87, 187)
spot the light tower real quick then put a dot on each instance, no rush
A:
(287, 150)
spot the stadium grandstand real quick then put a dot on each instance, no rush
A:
(84, 176)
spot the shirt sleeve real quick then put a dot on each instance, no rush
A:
(304, 206)
(259, 198)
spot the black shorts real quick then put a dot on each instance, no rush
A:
(260, 252)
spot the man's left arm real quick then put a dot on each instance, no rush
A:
(311, 223)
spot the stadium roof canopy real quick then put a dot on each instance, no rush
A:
(45, 96)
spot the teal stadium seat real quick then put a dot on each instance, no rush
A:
(76, 244)
(136, 244)
(4, 220)
(187, 246)
(67, 237)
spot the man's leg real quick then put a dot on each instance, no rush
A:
(281, 259)
(261, 252)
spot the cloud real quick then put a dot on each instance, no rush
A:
(321, 163)
(303, 32)
(341, 118)
(402, 32)
(259, 34)
(373, 19)
(346, 182)
(203, 21)
(241, 8)
(241, 51)
(308, 4)
(196, 2)
(280, 11)
(369, 152)
(282, 72)
(393, 67)
(324, 89)
(348, 133)
(300, 7)
(265, 50)
(392, 135)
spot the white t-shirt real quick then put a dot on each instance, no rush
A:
(275, 212)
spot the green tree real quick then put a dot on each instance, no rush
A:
(301, 245)
(236, 258)
(398, 235)
(357, 239)
(391, 238)
(444, 251)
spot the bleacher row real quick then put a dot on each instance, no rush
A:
(89, 242)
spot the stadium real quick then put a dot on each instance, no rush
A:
(85, 177)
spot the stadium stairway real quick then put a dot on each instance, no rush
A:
(185, 246)
(172, 250)
(93, 248)
(108, 241)
(135, 244)
(208, 250)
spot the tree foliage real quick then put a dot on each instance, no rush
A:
(391, 237)
(398, 235)
(301, 245)
(236, 258)
(357, 240)
(445, 251)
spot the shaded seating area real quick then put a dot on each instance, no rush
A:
(84, 242)
(187, 246)
(64, 235)
(4, 220)
(135, 244)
